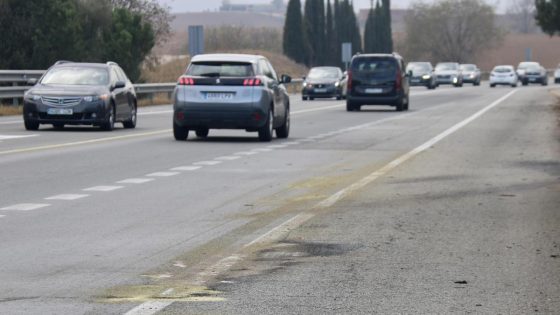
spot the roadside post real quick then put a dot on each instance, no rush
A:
(346, 54)
(196, 40)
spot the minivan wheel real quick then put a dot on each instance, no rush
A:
(202, 132)
(283, 131)
(180, 133)
(350, 107)
(265, 133)
(401, 105)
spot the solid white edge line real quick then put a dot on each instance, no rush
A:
(67, 197)
(136, 181)
(152, 307)
(163, 174)
(103, 188)
(186, 168)
(25, 207)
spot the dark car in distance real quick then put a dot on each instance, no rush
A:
(377, 79)
(422, 74)
(229, 91)
(324, 82)
(81, 94)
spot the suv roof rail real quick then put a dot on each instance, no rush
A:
(60, 62)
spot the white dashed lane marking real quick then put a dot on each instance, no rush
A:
(246, 153)
(135, 181)
(163, 174)
(9, 137)
(208, 163)
(103, 188)
(67, 197)
(228, 158)
(186, 168)
(25, 207)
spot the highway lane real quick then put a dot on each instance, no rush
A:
(148, 212)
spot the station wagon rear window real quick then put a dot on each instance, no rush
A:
(220, 69)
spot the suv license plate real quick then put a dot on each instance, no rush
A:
(219, 96)
(374, 91)
(60, 111)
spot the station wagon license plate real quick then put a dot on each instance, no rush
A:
(219, 96)
(60, 111)
(374, 91)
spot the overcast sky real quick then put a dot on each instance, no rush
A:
(204, 5)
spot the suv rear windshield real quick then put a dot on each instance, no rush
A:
(375, 67)
(320, 73)
(76, 76)
(220, 69)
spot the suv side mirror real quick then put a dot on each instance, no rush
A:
(32, 82)
(409, 74)
(119, 85)
(285, 79)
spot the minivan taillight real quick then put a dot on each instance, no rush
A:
(349, 84)
(398, 81)
(253, 82)
(186, 81)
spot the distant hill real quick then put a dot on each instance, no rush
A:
(248, 19)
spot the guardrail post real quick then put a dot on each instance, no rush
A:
(15, 101)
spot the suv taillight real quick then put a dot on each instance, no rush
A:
(186, 81)
(398, 81)
(349, 84)
(253, 82)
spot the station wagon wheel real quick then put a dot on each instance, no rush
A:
(110, 124)
(265, 133)
(30, 125)
(283, 131)
(131, 123)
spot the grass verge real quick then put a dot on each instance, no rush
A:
(9, 110)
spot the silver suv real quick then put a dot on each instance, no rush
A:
(227, 91)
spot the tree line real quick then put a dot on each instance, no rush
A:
(37, 33)
(314, 36)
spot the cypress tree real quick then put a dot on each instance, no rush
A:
(387, 34)
(294, 43)
(369, 32)
(314, 17)
(331, 56)
(355, 35)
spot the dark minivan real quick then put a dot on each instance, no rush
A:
(377, 79)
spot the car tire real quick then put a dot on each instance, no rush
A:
(339, 97)
(350, 107)
(525, 83)
(265, 133)
(492, 85)
(283, 131)
(304, 98)
(311, 98)
(202, 132)
(109, 125)
(400, 105)
(131, 123)
(514, 85)
(180, 133)
(31, 125)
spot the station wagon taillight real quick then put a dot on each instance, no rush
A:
(186, 81)
(252, 82)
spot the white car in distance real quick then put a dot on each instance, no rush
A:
(503, 75)
(557, 75)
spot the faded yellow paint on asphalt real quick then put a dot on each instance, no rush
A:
(143, 293)
(78, 143)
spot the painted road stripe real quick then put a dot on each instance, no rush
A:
(11, 122)
(228, 158)
(98, 140)
(2, 216)
(163, 174)
(9, 137)
(262, 150)
(103, 188)
(246, 153)
(155, 112)
(149, 308)
(67, 197)
(135, 181)
(207, 163)
(186, 168)
(277, 146)
(25, 207)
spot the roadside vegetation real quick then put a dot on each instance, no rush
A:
(10, 110)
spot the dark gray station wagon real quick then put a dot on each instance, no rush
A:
(227, 91)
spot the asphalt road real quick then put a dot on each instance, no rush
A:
(452, 207)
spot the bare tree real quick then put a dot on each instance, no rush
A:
(450, 30)
(522, 16)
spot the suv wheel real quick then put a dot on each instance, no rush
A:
(401, 104)
(265, 133)
(283, 131)
(180, 133)
(350, 106)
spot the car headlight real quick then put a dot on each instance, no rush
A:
(304, 84)
(455, 79)
(32, 97)
(337, 84)
(95, 98)
(426, 77)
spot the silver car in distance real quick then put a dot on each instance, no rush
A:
(227, 91)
